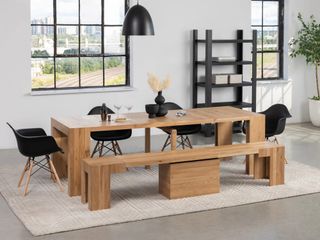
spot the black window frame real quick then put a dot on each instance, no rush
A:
(80, 55)
(280, 50)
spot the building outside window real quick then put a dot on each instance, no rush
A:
(268, 20)
(78, 44)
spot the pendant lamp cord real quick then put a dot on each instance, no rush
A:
(138, 2)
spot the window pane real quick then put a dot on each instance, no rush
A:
(67, 40)
(259, 37)
(256, 12)
(90, 11)
(91, 40)
(270, 38)
(42, 41)
(114, 41)
(91, 71)
(41, 11)
(270, 12)
(259, 65)
(42, 70)
(67, 72)
(67, 11)
(114, 11)
(270, 65)
(115, 71)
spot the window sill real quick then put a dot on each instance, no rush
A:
(276, 81)
(84, 90)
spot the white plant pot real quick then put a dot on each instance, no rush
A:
(314, 110)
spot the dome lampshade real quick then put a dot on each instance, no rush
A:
(137, 22)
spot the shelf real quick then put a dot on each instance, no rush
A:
(214, 63)
(226, 41)
(213, 85)
(232, 104)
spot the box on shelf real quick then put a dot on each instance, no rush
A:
(220, 78)
(235, 78)
(224, 59)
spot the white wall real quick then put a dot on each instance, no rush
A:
(168, 52)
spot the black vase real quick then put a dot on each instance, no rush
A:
(162, 111)
(160, 99)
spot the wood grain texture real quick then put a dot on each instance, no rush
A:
(223, 134)
(255, 133)
(73, 133)
(188, 179)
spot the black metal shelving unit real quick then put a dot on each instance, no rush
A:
(208, 63)
(209, 66)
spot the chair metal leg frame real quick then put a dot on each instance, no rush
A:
(29, 167)
(275, 140)
(115, 148)
(182, 141)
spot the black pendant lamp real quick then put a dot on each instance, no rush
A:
(137, 22)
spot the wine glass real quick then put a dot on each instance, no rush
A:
(118, 107)
(129, 107)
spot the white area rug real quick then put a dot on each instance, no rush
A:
(135, 197)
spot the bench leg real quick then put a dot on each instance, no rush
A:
(99, 188)
(277, 165)
(84, 185)
(260, 167)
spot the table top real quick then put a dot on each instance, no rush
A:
(141, 120)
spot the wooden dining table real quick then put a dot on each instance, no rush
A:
(72, 134)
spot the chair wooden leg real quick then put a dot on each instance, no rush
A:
(28, 178)
(24, 172)
(114, 148)
(165, 143)
(53, 177)
(56, 175)
(95, 149)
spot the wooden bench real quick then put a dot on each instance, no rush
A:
(182, 173)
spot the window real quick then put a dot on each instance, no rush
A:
(267, 18)
(78, 44)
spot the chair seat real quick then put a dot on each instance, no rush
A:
(111, 135)
(184, 130)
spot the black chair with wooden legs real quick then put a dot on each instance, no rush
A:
(182, 131)
(33, 143)
(108, 139)
(276, 117)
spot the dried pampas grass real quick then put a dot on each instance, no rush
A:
(158, 85)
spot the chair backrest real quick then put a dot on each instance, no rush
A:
(276, 116)
(20, 140)
(172, 106)
(97, 110)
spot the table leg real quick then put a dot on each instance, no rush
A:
(255, 133)
(173, 139)
(147, 143)
(60, 159)
(223, 134)
(79, 148)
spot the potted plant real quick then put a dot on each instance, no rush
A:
(307, 44)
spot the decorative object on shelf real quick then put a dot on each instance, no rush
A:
(235, 78)
(307, 44)
(220, 78)
(158, 86)
(152, 110)
(224, 59)
(137, 22)
(104, 112)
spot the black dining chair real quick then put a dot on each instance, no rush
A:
(182, 131)
(108, 139)
(276, 117)
(33, 143)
